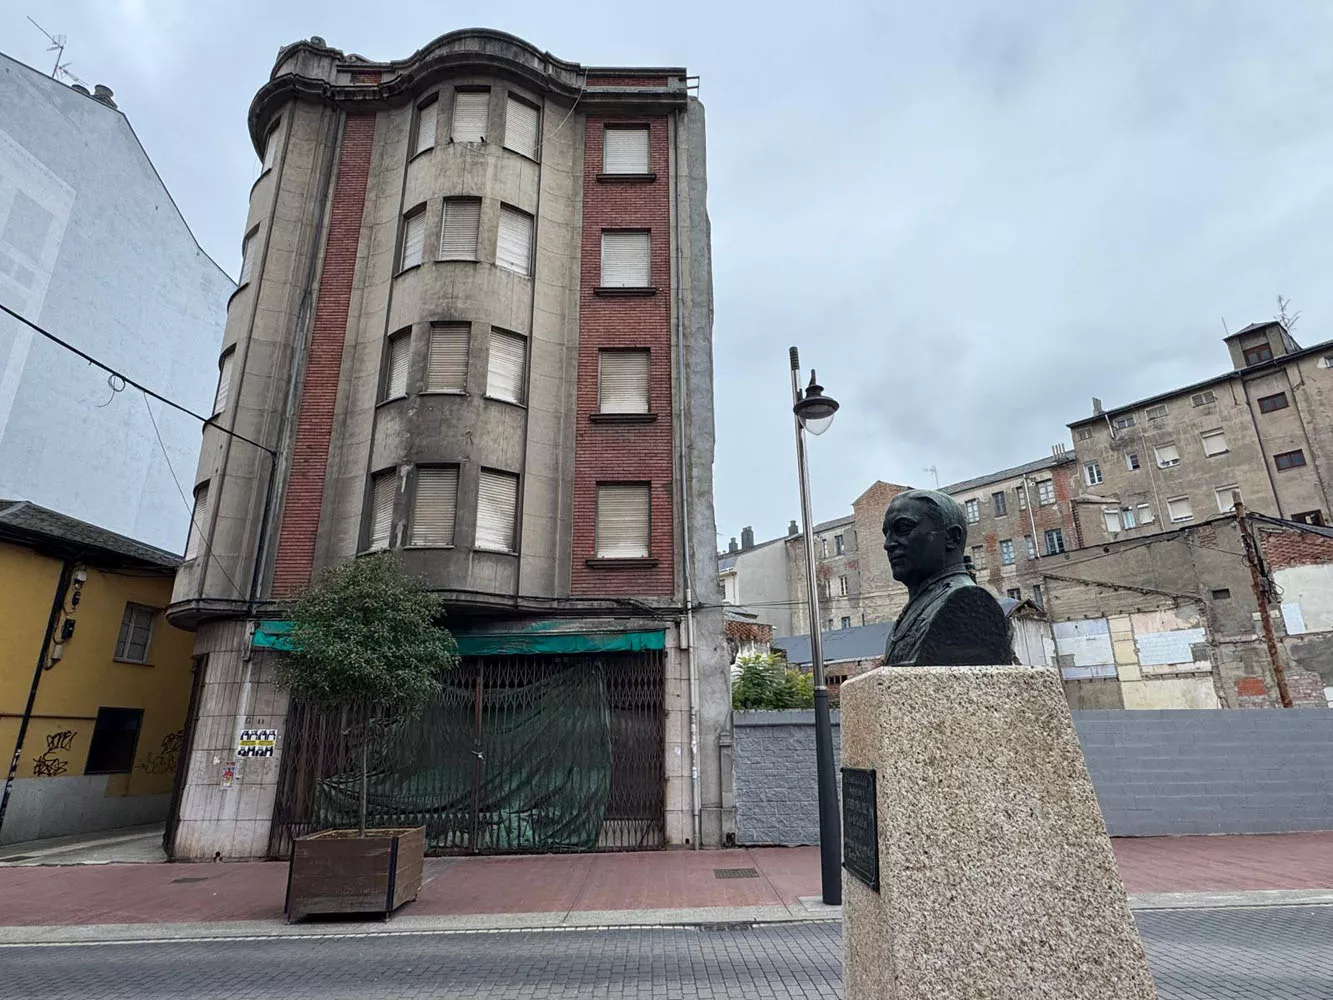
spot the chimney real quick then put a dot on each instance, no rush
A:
(1097, 410)
(731, 547)
(747, 538)
(101, 92)
(1059, 452)
(79, 88)
(793, 529)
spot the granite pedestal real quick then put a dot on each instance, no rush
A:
(996, 875)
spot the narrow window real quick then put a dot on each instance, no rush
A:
(1179, 509)
(271, 149)
(1277, 401)
(521, 127)
(622, 520)
(513, 248)
(223, 395)
(1111, 515)
(1001, 507)
(248, 251)
(1226, 495)
(1167, 456)
(1127, 517)
(625, 259)
(1131, 462)
(1289, 460)
(1022, 491)
(823, 548)
(435, 506)
(471, 108)
(978, 557)
(1145, 513)
(1214, 443)
(846, 621)
(506, 373)
(1007, 552)
(382, 489)
(428, 111)
(1046, 492)
(1055, 541)
(198, 521)
(973, 510)
(136, 628)
(1037, 597)
(115, 741)
(1092, 473)
(1032, 546)
(414, 238)
(396, 352)
(446, 363)
(838, 544)
(622, 381)
(1123, 423)
(625, 151)
(458, 228)
(497, 511)
(842, 586)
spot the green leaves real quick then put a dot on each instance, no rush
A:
(366, 633)
(764, 682)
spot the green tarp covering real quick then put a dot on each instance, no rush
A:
(541, 638)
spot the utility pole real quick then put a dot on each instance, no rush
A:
(1251, 546)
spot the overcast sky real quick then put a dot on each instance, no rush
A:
(971, 217)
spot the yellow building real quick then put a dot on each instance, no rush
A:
(101, 678)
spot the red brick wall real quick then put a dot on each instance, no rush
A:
(625, 452)
(627, 81)
(304, 497)
(739, 631)
(1285, 548)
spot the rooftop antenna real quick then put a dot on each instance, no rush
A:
(934, 472)
(58, 47)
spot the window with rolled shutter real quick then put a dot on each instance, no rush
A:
(414, 239)
(625, 259)
(625, 151)
(446, 365)
(521, 120)
(471, 108)
(458, 228)
(381, 508)
(395, 366)
(507, 367)
(622, 521)
(198, 521)
(435, 506)
(427, 115)
(497, 509)
(513, 245)
(224, 382)
(622, 381)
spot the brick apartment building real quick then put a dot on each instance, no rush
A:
(474, 327)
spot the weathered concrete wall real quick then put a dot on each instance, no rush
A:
(63, 807)
(1157, 773)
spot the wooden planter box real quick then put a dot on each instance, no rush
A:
(340, 871)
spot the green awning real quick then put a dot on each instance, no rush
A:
(535, 639)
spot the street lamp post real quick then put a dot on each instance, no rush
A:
(814, 412)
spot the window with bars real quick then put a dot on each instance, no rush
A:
(623, 520)
(522, 122)
(223, 395)
(1007, 552)
(428, 113)
(136, 631)
(383, 487)
(414, 238)
(513, 246)
(1277, 401)
(1179, 509)
(497, 511)
(625, 259)
(625, 151)
(434, 505)
(471, 109)
(506, 371)
(622, 381)
(397, 353)
(1215, 443)
(459, 224)
(198, 521)
(446, 360)
(249, 248)
(115, 741)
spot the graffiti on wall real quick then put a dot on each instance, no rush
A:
(165, 758)
(51, 764)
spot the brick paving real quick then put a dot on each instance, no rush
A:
(1273, 953)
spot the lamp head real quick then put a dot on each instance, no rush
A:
(815, 410)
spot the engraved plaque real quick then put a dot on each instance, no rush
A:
(860, 829)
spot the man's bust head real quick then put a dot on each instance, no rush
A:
(925, 532)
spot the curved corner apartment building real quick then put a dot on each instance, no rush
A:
(473, 326)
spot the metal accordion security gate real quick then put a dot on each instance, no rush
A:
(519, 754)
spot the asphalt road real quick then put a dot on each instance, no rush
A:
(1276, 953)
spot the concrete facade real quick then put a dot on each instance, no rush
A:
(753, 579)
(334, 295)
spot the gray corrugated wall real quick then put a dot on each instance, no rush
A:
(1157, 773)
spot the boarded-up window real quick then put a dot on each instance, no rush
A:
(471, 108)
(625, 151)
(458, 228)
(513, 245)
(521, 120)
(224, 382)
(136, 628)
(507, 368)
(446, 363)
(622, 520)
(497, 509)
(382, 488)
(414, 239)
(198, 521)
(427, 113)
(622, 381)
(625, 259)
(396, 354)
(435, 506)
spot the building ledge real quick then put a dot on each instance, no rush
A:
(646, 291)
(640, 563)
(622, 418)
(626, 178)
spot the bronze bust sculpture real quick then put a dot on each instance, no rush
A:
(949, 620)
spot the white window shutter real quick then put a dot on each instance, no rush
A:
(224, 383)
(521, 120)
(471, 108)
(622, 521)
(513, 248)
(497, 509)
(625, 259)
(622, 381)
(458, 229)
(507, 369)
(414, 239)
(381, 509)
(446, 366)
(625, 151)
(395, 365)
(198, 521)
(427, 115)
(1215, 443)
(435, 507)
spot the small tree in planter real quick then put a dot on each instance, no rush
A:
(363, 640)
